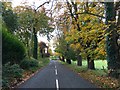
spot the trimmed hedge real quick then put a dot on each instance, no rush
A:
(13, 50)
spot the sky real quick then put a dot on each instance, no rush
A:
(30, 2)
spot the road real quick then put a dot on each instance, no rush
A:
(56, 76)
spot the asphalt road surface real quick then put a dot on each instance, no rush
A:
(56, 76)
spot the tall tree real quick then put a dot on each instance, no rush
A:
(73, 9)
(44, 26)
(24, 32)
(33, 21)
(111, 39)
(84, 23)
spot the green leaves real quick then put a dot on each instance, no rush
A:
(12, 49)
(10, 74)
(10, 20)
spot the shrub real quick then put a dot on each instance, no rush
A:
(12, 49)
(33, 63)
(27, 64)
(10, 74)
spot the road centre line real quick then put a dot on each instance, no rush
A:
(56, 72)
(57, 84)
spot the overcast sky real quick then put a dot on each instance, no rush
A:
(30, 2)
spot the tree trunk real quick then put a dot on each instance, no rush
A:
(79, 60)
(118, 28)
(91, 64)
(111, 39)
(112, 49)
(68, 61)
(118, 23)
(35, 44)
(47, 50)
(42, 55)
(63, 59)
(60, 58)
(27, 45)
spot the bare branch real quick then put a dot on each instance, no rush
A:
(41, 5)
(71, 13)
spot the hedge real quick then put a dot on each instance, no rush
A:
(13, 50)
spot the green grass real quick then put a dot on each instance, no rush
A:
(99, 64)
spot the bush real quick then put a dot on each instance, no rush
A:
(33, 63)
(10, 74)
(27, 64)
(12, 49)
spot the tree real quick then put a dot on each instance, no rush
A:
(74, 15)
(24, 32)
(64, 25)
(65, 50)
(9, 17)
(34, 21)
(44, 26)
(112, 48)
(87, 29)
(61, 47)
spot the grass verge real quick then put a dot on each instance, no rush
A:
(98, 77)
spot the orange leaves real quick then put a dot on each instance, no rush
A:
(72, 45)
(76, 46)
(92, 35)
(101, 51)
(89, 39)
(72, 35)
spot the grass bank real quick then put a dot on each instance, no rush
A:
(98, 77)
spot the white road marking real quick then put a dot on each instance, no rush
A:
(55, 71)
(57, 85)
